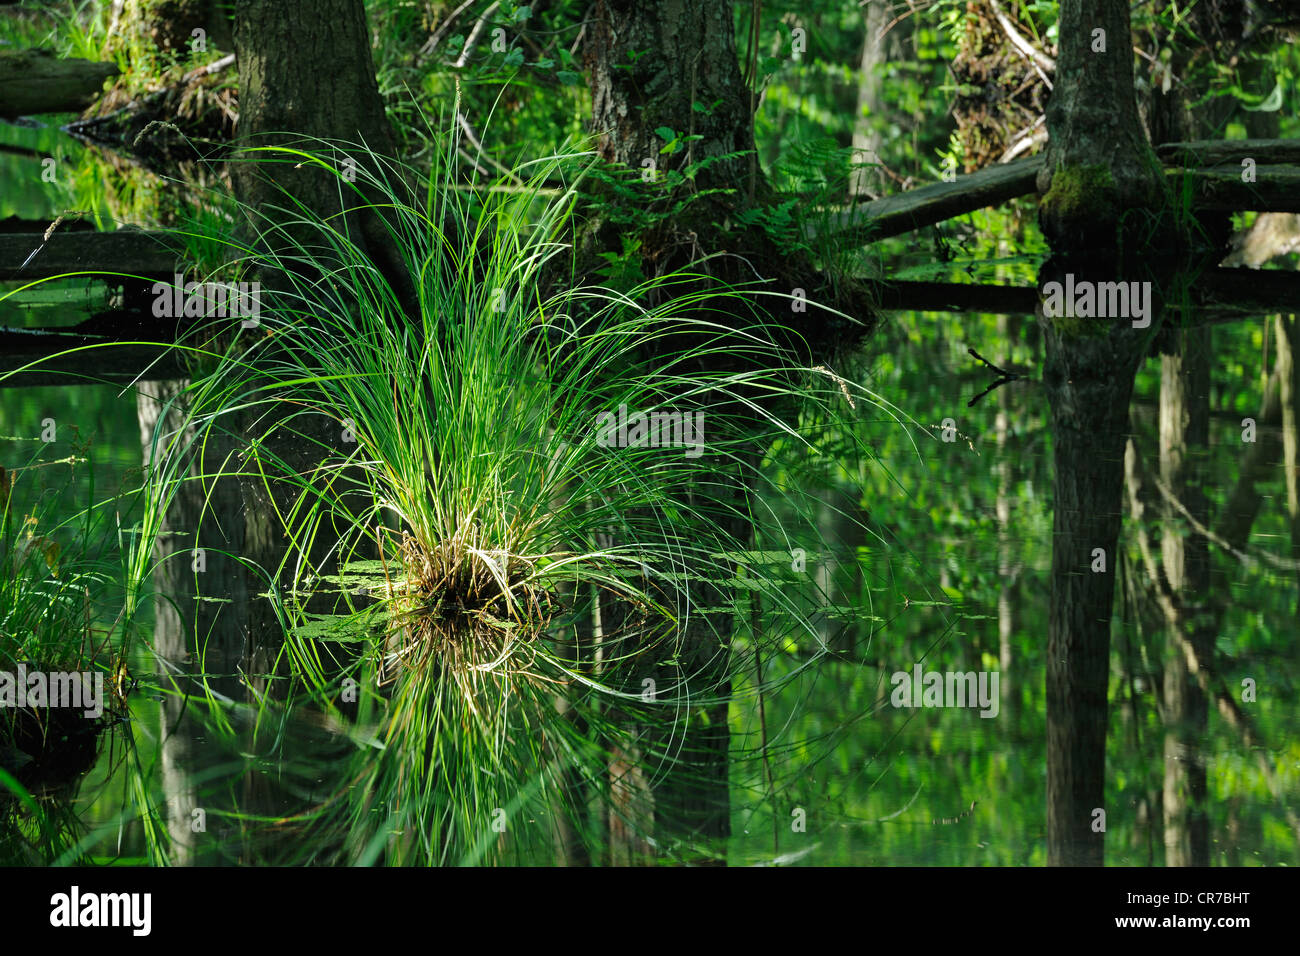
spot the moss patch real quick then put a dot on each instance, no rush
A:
(1080, 192)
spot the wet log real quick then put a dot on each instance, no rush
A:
(54, 357)
(935, 202)
(1218, 152)
(35, 81)
(126, 252)
(1274, 188)
(1218, 296)
(1218, 187)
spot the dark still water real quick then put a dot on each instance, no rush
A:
(905, 726)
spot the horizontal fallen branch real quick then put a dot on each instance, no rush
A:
(1217, 187)
(126, 251)
(1274, 188)
(935, 202)
(29, 359)
(1217, 152)
(1218, 295)
(34, 82)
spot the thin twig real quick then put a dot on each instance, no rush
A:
(1042, 61)
(478, 145)
(1250, 560)
(474, 35)
(1005, 378)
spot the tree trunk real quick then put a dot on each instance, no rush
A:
(1099, 163)
(839, 568)
(1091, 383)
(305, 69)
(1008, 569)
(169, 26)
(1184, 441)
(1099, 168)
(1285, 335)
(866, 131)
(205, 608)
(650, 63)
(662, 72)
(672, 66)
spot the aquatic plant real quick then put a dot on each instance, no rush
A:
(529, 501)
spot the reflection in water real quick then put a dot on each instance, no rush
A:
(245, 772)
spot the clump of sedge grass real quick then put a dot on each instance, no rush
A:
(534, 577)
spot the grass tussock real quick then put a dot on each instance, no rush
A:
(555, 598)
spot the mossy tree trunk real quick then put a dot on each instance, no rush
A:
(1099, 163)
(1100, 170)
(657, 67)
(650, 63)
(168, 26)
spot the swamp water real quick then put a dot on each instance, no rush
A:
(849, 779)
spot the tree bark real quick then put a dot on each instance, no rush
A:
(866, 131)
(1099, 172)
(168, 25)
(650, 63)
(306, 71)
(1089, 386)
(1008, 571)
(1099, 164)
(1285, 329)
(1184, 441)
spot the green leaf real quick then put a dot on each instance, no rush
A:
(568, 77)
(666, 133)
(515, 57)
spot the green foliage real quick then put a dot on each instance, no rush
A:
(480, 479)
(474, 440)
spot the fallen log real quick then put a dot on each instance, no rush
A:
(935, 202)
(125, 252)
(31, 357)
(35, 81)
(1216, 152)
(1217, 187)
(1272, 189)
(1217, 296)
(956, 297)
